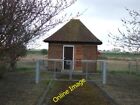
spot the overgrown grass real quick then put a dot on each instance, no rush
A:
(121, 66)
(24, 69)
(25, 66)
(20, 89)
(121, 55)
(125, 72)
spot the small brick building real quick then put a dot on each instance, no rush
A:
(73, 42)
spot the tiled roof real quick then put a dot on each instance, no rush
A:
(73, 32)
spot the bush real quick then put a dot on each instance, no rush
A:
(44, 51)
(102, 57)
(3, 69)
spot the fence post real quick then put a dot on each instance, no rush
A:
(54, 76)
(71, 70)
(87, 71)
(104, 72)
(129, 67)
(37, 77)
(136, 65)
(101, 67)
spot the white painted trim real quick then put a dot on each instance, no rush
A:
(63, 55)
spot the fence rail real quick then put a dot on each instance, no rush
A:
(124, 66)
(91, 70)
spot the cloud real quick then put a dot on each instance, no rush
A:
(109, 9)
(101, 17)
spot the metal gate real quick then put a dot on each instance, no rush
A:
(54, 71)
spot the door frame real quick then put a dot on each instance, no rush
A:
(72, 57)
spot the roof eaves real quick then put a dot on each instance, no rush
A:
(74, 42)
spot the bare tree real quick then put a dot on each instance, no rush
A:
(24, 20)
(129, 34)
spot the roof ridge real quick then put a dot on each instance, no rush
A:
(75, 32)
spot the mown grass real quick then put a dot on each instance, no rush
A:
(88, 94)
(19, 88)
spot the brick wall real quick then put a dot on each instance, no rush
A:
(78, 55)
(55, 52)
(85, 52)
(81, 52)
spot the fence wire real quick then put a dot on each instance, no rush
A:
(91, 70)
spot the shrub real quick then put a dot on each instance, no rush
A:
(3, 68)
(44, 51)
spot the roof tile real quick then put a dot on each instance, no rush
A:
(73, 32)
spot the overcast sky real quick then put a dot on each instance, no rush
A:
(100, 17)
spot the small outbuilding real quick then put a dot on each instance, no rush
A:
(71, 44)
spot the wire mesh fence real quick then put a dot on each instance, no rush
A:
(124, 66)
(91, 70)
(65, 70)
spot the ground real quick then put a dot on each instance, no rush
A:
(123, 88)
(19, 88)
(88, 94)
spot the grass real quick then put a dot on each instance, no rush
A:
(123, 66)
(88, 94)
(19, 88)
(25, 66)
(122, 55)
(21, 83)
(24, 69)
(34, 52)
(37, 52)
(123, 88)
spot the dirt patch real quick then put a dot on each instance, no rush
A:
(88, 94)
(20, 89)
(123, 88)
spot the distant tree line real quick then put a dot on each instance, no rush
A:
(37, 52)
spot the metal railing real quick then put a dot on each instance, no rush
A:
(91, 70)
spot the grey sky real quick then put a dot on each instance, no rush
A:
(109, 9)
(101, 17)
